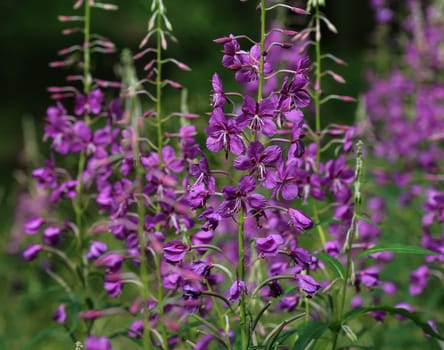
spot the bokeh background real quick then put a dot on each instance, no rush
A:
(31, 36)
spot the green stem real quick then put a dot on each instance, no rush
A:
(160, 9)
(241, 276)
(343, 293)
(319, 226)
(87, 81)
(140, 171)
(350, 236)
(317, 88)
(262, 56)
(77, 201)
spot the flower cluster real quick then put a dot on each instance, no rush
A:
(407, 104)
(262, 219)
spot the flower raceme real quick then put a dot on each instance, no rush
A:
(199, 242)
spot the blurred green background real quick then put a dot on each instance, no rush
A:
(31, 36)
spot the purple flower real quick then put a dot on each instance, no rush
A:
(197, 195)
(224, 133)
(66, 190)
(302, 257)
(258, 116)
(173, 164)
(96, 249)
(368, 277)
(51, 235)
(191, 296)
(299, 220)
(135, 330)
(33, 225)
(258, 159)
(237, 288)
(289, 302)
(250, 66)
(268, 246)
(293, 93)
(404, 306)
(97, 343)
(212, 219)
(231, 48)
(113, 286)
(60, 315)
(173, 281)
(46, 177)
(91, 103)
(219, 99)
(32, 251)
(174, 251)
(308, 284)
(201, 172)
(284, 181)
(338, 177)
(201, 268)
(418, 280)
(114, 110)
(111, 260)
(332, 248)
(238, 198)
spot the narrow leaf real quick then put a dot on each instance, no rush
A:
(415, 317)
(397, 248)
(312, 331)
(333, 264)
(271, 338)
(213, 330)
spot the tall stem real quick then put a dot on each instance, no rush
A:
(160, 9)
(87, 80)
(77, 201)
(241, 276)
(317, 88)
(317, 101)
(262, 56)
(140, 171)
(350, 236)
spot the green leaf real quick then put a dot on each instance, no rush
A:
(415, 317)
(397, 248)
(212, 328)
(309, 334)
(44, 333)
(272, 336)
(332, 263)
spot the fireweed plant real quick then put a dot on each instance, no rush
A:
(255, 239)
(405, 100)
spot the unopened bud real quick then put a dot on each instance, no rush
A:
(183, 66)
(174, 84)
(91, 314)
(222, 40)
(347, 98)
(68, 50)
(149, 65)
(299, 11)
(78, 4)
(56, 64)
(336, 77)
(152, 21)
(70, 18)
